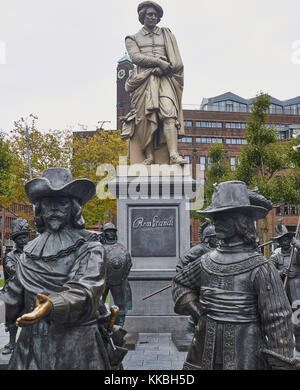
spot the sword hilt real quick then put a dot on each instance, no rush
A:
(114, 312)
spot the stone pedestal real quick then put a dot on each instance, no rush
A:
(154, 225)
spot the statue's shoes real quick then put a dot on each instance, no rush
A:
(8, 349)
(148, 161)
(177, 159)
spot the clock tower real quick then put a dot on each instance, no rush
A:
(125, 66)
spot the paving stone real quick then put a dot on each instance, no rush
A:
(158, 353)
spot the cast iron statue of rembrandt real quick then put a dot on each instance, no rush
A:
(59, 281)
(234, 294)
(156, 87)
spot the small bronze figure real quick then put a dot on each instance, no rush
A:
(20, 235)
(59, 281)
(281, 258)
(233, 293)
(207, 235)
(156, 87)
(118, 263)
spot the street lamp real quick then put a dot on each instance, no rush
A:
(25, 121)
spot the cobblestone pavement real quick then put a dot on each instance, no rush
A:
(154, 351)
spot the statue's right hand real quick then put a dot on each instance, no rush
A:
(43, 306)
(157, 72)
(194, 311)
(165, 66)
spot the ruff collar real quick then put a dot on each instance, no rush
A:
(50, 246)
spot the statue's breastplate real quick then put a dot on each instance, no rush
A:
(118, 263)
(226, 292)
(151, 44)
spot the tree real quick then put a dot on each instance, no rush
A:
(90, 152)
(47, 149)
(266, 161)
(217, 172)
(6, 160)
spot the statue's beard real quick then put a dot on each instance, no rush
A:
(56, 223)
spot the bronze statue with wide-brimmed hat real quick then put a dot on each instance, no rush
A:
(288, 267)
(233, 293)
(59, 281)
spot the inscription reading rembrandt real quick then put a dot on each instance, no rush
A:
(140, 222)
(153, 231)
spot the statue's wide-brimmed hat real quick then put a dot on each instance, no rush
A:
(158, 8)
(281, 231)
(18, 227)
(234, 196)
(58, 182)
(109, 226)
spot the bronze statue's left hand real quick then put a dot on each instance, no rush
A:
(295, 243)
(43, 306)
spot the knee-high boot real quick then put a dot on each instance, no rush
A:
(171, 135)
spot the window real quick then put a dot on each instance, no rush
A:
(209, 124)
(208, 162)
(208, 140)
(287, 209)
(235, 125)
(275, 109)
(232, 163)
(236, 141)
(188, 158)
(186, 139)
(294, 209)
(202, 163)
(188, 123)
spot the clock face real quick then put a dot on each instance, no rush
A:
(121, 74)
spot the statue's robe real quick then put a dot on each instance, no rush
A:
(243, 308)
(154, 98)
(69, 267)
(281, 261)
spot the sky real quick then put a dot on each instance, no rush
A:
(58, 58)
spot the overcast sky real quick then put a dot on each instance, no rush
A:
(61, 55)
